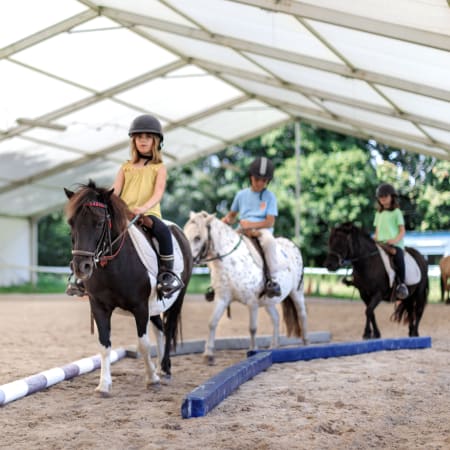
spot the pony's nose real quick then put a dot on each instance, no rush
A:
(83, 269)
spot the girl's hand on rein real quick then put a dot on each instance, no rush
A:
(139, 210)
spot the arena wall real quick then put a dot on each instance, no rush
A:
(15, 251)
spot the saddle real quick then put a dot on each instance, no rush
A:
(253, 235)
(148, 251)
(412, 269)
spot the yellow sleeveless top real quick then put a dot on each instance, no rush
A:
(139, 185)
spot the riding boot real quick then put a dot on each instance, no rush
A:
(75, 287)
(168, 281)
(272, 288)
(401, 291)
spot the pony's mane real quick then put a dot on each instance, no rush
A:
(350, 227)
(91, 192)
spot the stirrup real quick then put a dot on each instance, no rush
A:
(401, 291)
(272, 289)
(168, 282)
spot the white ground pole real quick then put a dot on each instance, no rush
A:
(34, 383)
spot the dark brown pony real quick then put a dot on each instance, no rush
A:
(114, 276)
(444, 265)
(348, 244)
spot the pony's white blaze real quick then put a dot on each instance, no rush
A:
(236, 270)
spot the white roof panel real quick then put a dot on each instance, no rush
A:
(177, 94)
(395, 58)
(75, 56)
(199, 50)
(215, 72)
(255, 25)
(21, 18)
(18, 155)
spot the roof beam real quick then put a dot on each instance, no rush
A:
(103, 153)
(344, 19)
(275, 53)
(47, 33)
(358, 124)
(322, 95)
(97, 97)
(386, 139)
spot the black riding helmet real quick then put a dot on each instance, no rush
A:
(385, 189)
(261, 168)
(146, 124)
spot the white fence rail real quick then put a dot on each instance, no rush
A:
(433, 270)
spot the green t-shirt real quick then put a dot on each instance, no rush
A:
(387, 224)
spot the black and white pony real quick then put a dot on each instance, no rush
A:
(374, 279)
(118, 267)
(237, 274)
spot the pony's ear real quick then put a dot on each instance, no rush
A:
(109, 193)
(210, 217)
(191, 214)
(69, 194)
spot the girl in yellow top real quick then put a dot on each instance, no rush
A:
(141, 183)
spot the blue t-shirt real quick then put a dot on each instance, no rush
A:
(255, 206)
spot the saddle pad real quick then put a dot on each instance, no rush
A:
(412, 270)
(149, 259)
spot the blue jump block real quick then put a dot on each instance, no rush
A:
(206, 396)
(345, 349)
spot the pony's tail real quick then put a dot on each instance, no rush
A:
(291, 318)
(419, 297)
(172, 317)
(172, 320)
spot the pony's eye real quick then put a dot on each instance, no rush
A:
(197, 239)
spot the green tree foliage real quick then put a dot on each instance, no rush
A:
(338, 176)
(54, 240)
(335, 188)
(434, 203)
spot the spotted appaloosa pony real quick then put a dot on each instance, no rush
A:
(105, 258)
(236, 270)
(444, 266)
(349, 244)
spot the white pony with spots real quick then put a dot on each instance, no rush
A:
(237, 274)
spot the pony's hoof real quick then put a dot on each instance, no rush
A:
(210, 360)
(154, 386)
(166, 378)
(154, 382)
(102, 394)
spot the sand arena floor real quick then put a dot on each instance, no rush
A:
(383, 400)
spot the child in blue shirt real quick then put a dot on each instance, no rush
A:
(257, 209)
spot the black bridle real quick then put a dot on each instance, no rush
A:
(103, 252)
(348, 261)
(207, 247)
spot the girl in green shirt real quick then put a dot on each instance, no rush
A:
(390, 229)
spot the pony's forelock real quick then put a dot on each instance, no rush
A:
(90, 192)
